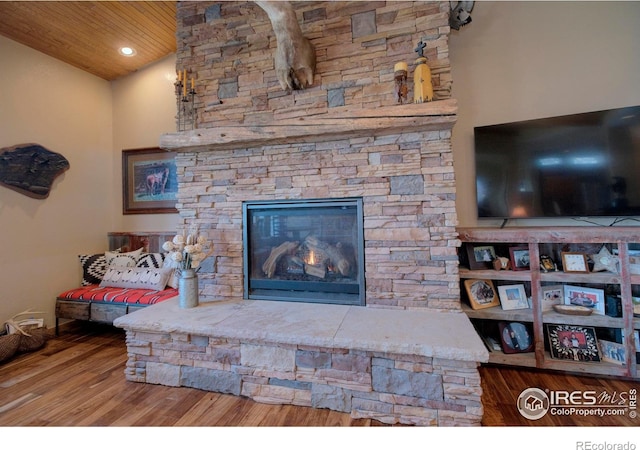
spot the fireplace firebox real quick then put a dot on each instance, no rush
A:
(304, 251)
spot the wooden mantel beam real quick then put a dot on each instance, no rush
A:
(432, 116)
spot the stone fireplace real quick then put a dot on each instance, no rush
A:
(380, 168)
(344, 137)
(400, 167)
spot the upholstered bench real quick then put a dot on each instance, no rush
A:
(105, 304)
(119, 281)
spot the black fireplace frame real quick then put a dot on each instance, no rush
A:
(291, 291)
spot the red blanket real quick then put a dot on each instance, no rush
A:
(95, 293)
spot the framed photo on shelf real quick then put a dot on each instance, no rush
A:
(513, 296)
(547, 264)
(574, 262)
(149, 181)
(552, 295)
(587, 297)
(481, 293)
(515, 337)
(519, 257)
(636, 339)
(634, 262)
(612, 352)
(573, 343)
(480, 256)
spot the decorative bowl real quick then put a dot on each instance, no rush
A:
(573, 310)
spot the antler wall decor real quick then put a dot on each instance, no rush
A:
(295, 58)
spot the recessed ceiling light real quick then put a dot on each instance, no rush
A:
(127, 51)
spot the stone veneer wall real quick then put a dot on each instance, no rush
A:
(406, 179)
(391, 388)
(407, 185)
(228, 48)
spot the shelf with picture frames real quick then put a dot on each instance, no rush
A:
(606, 290)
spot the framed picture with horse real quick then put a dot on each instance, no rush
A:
(149, 181)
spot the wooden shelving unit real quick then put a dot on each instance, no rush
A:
(559, 238)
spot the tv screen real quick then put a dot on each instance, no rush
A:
(580, 165)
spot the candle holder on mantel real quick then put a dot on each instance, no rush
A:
(185, 102)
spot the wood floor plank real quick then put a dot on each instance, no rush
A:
(278, 416)
(77, 379)
(237, 413)
(18, 402)
(201, 412)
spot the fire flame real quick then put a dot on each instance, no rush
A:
(311, 258)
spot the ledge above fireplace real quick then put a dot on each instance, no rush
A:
(431, 116)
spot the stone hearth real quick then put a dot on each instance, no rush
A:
(392, 366)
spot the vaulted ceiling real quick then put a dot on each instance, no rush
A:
(89, 34)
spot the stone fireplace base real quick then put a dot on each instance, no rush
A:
(395, 366)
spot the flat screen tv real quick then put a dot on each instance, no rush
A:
(580, 165)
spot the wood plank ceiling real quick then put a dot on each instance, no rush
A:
(89, 34)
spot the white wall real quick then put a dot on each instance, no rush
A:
(144, 107)
(526, 60)
(89, 121)
(68, 111)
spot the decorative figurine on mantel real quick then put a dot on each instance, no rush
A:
(422, 87)
(400, 71)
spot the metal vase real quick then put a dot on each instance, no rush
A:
(188, 288)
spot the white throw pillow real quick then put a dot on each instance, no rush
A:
(136, 278)
(128, 259)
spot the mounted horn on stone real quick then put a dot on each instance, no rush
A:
(295, 58)
(460, 14)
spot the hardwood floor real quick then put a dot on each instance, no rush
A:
(502, 386)
(77, 379)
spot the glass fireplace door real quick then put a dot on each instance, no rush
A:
(309, 250)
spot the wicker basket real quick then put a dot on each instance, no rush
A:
(28, 335)
(34, 339)
(9, 344)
